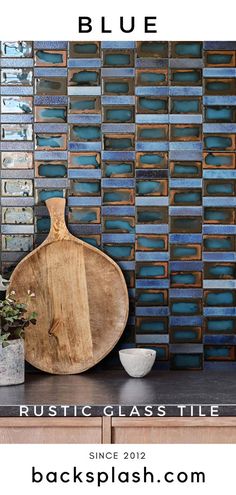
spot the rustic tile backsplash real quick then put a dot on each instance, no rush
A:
(140, 139)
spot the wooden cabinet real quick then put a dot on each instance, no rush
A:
(173, 430)
(98, 430)
(51, 430)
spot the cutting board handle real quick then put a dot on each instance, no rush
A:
(58, 230)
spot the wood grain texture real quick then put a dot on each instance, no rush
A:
(81, 300)
(173, 430)
(108, 430)
(51, 430)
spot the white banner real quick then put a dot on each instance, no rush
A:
(86, 469)
(151, 19)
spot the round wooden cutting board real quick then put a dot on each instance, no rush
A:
(80, 296)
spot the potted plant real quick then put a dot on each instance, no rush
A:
(14, 318)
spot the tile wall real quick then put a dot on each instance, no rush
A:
(140, 139)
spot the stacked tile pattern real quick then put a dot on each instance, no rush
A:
(140, 139)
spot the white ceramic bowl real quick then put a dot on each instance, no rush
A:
(137, 362)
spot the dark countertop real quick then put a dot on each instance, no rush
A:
(115, 388)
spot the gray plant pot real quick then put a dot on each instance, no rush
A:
(12, 363)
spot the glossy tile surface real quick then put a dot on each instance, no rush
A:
(140, 137)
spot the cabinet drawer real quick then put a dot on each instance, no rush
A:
(173, 430)
(51, 430)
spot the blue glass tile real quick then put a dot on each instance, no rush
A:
(181, 211)
(219, 45)
(152, 229)
(186, 63)
(152, 201)
(222, 143)
(220, 284)
(118, 128)
(84, 119)
(117, 59)
(50, 100)
(155, 339)
(224, 298)
(186, 361)
(16, 104)
(185, 320)
(84, 90)
(11, 62)
(185, 238)
(50, 155)
(150, 270)
(55, 127)
(152, 90)
(219, 201)
(186, 265)
(152, 311)
(113, 224)
(152, 119)
(126, 265)
(118, 44)
(219, 113)
(220, 339)
(17, 90)
(151, 62)
(16, 146)
(17, 119)
(152, 146)
(118, 169)
(16, 77)
(219, 352)
(221, 243)
(118, 210)
(114, 72)
(182, 293)
(151, 256)
(185, 155)
(186, 348)
(222, 325)
(219, 229)
(185, 119)
(16, 49)
(230, 256)
(84, 62)
(82, 146)
(152, 284)
(118, 238)
(51, 45)
(217, 188)
(118, 183)
(83, 201)
(51, 183)
(219, 72)
(44, 195)
(219, 311)
(79, 230)
(185, 91)
(185, 307)
(119, 251)
(185, 183)
(83, 174)
(54, 72)
(185, 145)
(118, 100)
(219, 100)
(118, 155)
(50, 170)
(222, 128)
(135, 96)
